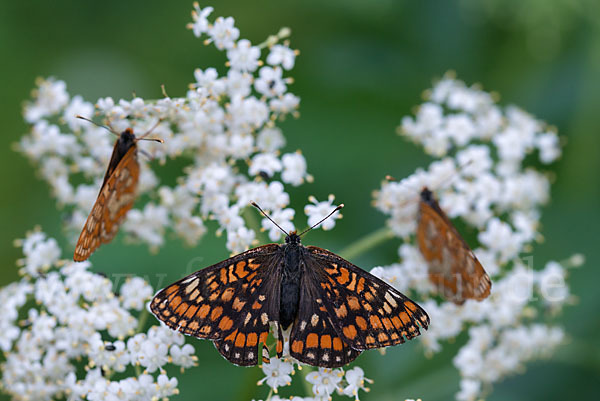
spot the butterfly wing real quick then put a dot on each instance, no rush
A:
(453, 267)
(356, 307)
(116, 197)
(230, 303)
(313, 338)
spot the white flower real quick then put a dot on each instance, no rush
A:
(549, 147)
(240, 239)
(294, 168)
(51, 96)
(243, 56)
(265, 162)
(270, 82)
(355, 378)
(183, 356)
(325, 381)
(199, 16)
(77, 107)
(282, 55)
(277, 373)
(317, 211)
(224, 33)
(270, 140)
(135, 292)
(284, 104)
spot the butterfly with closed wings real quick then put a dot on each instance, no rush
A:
(334, 308)
(453, 267)
(117, 193)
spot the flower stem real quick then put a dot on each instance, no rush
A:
(367, 242)
(142, 318)
(306, 370)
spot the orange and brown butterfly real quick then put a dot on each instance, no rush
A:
(117, 193)
(334, 309)
(453, 267)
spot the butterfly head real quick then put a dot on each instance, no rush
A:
(292, 238)
(427, 195)
(127, 136)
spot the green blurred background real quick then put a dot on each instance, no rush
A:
(363, 65)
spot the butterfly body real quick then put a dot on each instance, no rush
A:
(453, 267)
(335, 309)
(115, 199)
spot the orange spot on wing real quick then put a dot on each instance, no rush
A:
(312, 340)
(297, 347)
(360, 286)
(404, 317)
(191, 311)
(216, 312)
(256, 305)
(361, 322)
(326, 341)
(240, 340)
(410, 306)
(251, 339)
(382, 337)
(375, 322)
(171, 289)
(337, 344)
(353, 303)
(238, 305)
(344, 276)
(341, 312)
(387, 323)
(240, 269)
(204, 309)
(182, 308)
(225, 323)
(349, 331)
(227, 295)
(370, 340)
(175, 302)
(223, 277)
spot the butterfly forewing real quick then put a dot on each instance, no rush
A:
(231, 303)
(115, 199)
(453, 267)
(367, 312)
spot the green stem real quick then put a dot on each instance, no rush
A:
(367, 242)
(142, 318)
(306, 370)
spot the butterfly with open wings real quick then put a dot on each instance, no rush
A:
(334, 308)
(117, 194)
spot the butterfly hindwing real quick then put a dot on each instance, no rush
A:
(230, 303)
(313, 338)
(115, 199)
(453, 267)
(364, 310)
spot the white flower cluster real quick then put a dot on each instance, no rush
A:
(224, 128)
(323, 382)
(61, 316)
(482, 178)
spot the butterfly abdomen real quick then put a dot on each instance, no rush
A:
(290, 285)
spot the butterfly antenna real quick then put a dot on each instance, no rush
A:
(328, 216)
(268, 217)
(107, 127)
(143, 137)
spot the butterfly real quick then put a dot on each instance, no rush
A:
(335, 309)
(453, 267)
(117, 193)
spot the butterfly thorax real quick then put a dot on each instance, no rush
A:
(290, 280)
(126, 140)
